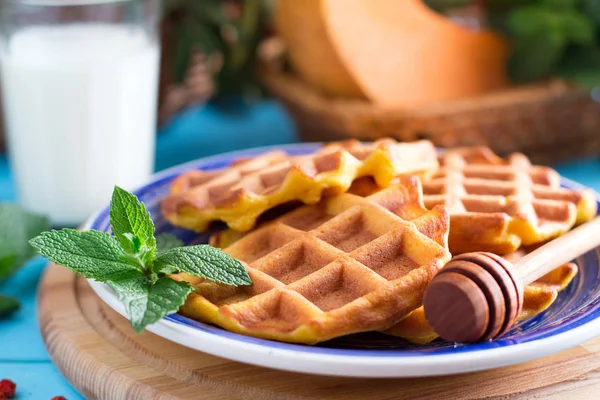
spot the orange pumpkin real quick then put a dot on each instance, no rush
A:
(309, 50)
(398, 53)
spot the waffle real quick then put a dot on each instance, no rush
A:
(538, 296)
(239, 194)
(409, 205)
(498, 205)
(347, 264)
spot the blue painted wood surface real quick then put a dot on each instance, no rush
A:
(196, 133)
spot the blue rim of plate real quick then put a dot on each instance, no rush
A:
(576, 306)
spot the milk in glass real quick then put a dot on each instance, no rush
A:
(80, 111)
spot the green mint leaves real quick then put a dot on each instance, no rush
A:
(17, 226)
(93, 254)
(134, 262)
(132, 225)
(148, 302)
(199, 261)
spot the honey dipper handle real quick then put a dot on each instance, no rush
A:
(559, 251)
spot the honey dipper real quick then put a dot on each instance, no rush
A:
(478, 296)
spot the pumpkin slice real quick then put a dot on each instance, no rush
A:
(402, 53)
(300, 24)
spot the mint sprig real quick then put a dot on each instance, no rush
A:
(135, 262)
(93, 254)
(132, 225)
(17, 226)
(199, 261)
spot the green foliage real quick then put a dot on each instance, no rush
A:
(548, 37)
(93, 254)
(17, 226)
(165, 297)
(591, 8)
(8, 305)
(536, 56)
(132, 225)
(441, 5)
(200, 260)
(128, 262)
(543, 33)
(147, 302)
(581, 65)
(206, 26)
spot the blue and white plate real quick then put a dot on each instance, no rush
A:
(572, 319)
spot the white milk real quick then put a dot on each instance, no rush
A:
(80, 107)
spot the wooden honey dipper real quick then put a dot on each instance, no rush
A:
(478, 296)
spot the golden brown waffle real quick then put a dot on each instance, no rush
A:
(538, 296)
(408, 205)
(239, 194)
(498, 205)
(348, 264)
(497, 221)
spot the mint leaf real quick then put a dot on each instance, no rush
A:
(147, 303)
(96, 255)
(32, 225)
(166, 241)
(8, 305)
(132, 225)
(133, 293)
(17, 226)
(204, 261)
(128, 262)
(166, 296)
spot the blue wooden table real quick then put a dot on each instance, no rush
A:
(194, 134)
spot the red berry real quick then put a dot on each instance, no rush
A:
(7, 388)
(57, 398)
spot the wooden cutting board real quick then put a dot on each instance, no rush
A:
(100, 354)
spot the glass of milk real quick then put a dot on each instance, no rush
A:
(79, 84)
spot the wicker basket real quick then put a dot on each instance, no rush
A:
(549, 122)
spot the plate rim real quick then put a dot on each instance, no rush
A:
(364, 366)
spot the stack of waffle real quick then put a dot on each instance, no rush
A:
(374, 225)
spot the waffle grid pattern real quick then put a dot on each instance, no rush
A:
(238, 195)
(349, 264)
(499, 205)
